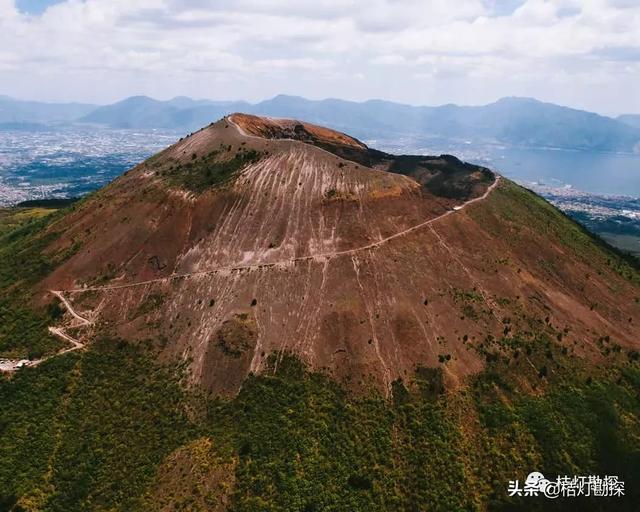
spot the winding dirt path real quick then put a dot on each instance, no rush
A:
(318, 257)
(11, 365)
(81, 320)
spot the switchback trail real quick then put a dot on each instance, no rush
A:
(11, 365)
(81, 320)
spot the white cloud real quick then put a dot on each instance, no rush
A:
(472, 51)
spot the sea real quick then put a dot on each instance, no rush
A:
(612, 174)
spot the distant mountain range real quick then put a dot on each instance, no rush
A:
(19, 112)
(179, 113)
(512, 121)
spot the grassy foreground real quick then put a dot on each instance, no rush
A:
(112, 430)
(25, 234)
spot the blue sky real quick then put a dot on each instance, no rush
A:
(581, 53)
(35, 6)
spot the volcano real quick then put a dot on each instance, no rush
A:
(270, 315)
(257, 236)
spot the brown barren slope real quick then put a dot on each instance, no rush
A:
(253, 236)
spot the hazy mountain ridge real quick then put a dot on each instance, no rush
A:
(144, 112)
(14, 111)
(512, 121)
(516, 121)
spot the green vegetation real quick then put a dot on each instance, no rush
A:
(124, 416)
(214, 168)
(24, 236)
(14, 218)
(23, 330)
(444, 176)
(86, 433)
(29, 425)
(331, 193)
(583, 427)
(108, 424)
(518, 215)
(22, 248)
(471, 302)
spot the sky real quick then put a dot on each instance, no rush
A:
(584, 54)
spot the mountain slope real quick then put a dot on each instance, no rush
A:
(278, 317)
(259, 244)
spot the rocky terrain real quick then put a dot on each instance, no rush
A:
(254, 236)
